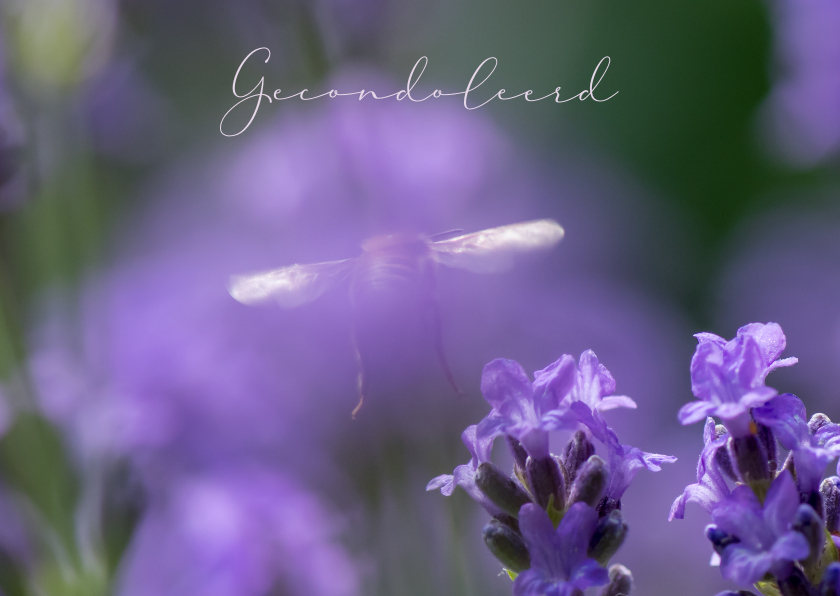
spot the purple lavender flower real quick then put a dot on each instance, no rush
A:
(524, 410)
(728, 377)
(711, 486)
(464, 475)
(812, 448)
(237, 532)
(528, 411)
(559, 565)
(766, 540)
(595, 385)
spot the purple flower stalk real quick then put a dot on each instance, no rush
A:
(559, 563)
(728, 376)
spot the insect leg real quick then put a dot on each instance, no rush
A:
(363, 381)
(438, 340)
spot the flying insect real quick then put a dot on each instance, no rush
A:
(395, 269)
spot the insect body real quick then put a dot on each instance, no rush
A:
(394, 270)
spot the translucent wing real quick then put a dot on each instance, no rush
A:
(493, 250)
(290, 286)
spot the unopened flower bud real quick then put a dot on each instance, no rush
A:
(518, 451)
(590, 483)
(621, 582)
(830, 491)
(796, 584)
(751, 461)
(608, 537)
(734, 593)
(768, 442)
(719, 539)
(808, 523)
(507, 546)
(607, 505)
(545, 479)
(816, 422)
(578, 450)
(830, 583)
(503, 491)
(722, 459)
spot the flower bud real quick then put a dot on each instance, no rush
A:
(621, 582)
(590, 483)
(578, 450)
(507, 546)
(795, 584)
(751, 461)
(719, 539)
(721, 458)
(607, 506)
(608, 537)
(808, 523)
(816, 422)
(830, 583)
(830, 491)
(768, 442)
(504, 492)
(545, 479)
(517, 450)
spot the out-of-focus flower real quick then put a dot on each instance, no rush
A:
(238, 532)
(802, 107)
(559, 563)
(728, 377)
(55, 44)
(766, 540)
(711, 486)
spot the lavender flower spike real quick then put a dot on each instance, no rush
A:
(559, 565)
(464, 475)
(766, 540)
(711, 486)
(728, 377)
(524, 410)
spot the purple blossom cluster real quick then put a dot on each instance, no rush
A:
(774, 527)
(557, 520)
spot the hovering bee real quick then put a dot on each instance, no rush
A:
(396, 269)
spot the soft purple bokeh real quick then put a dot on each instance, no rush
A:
(785, 267)
(803, 109)
(238, 532)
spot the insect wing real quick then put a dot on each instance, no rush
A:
(493, 250)
(290, 286)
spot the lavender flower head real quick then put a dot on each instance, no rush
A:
(557, 521)
(773, 528)
(728, 377)
(529, 411)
